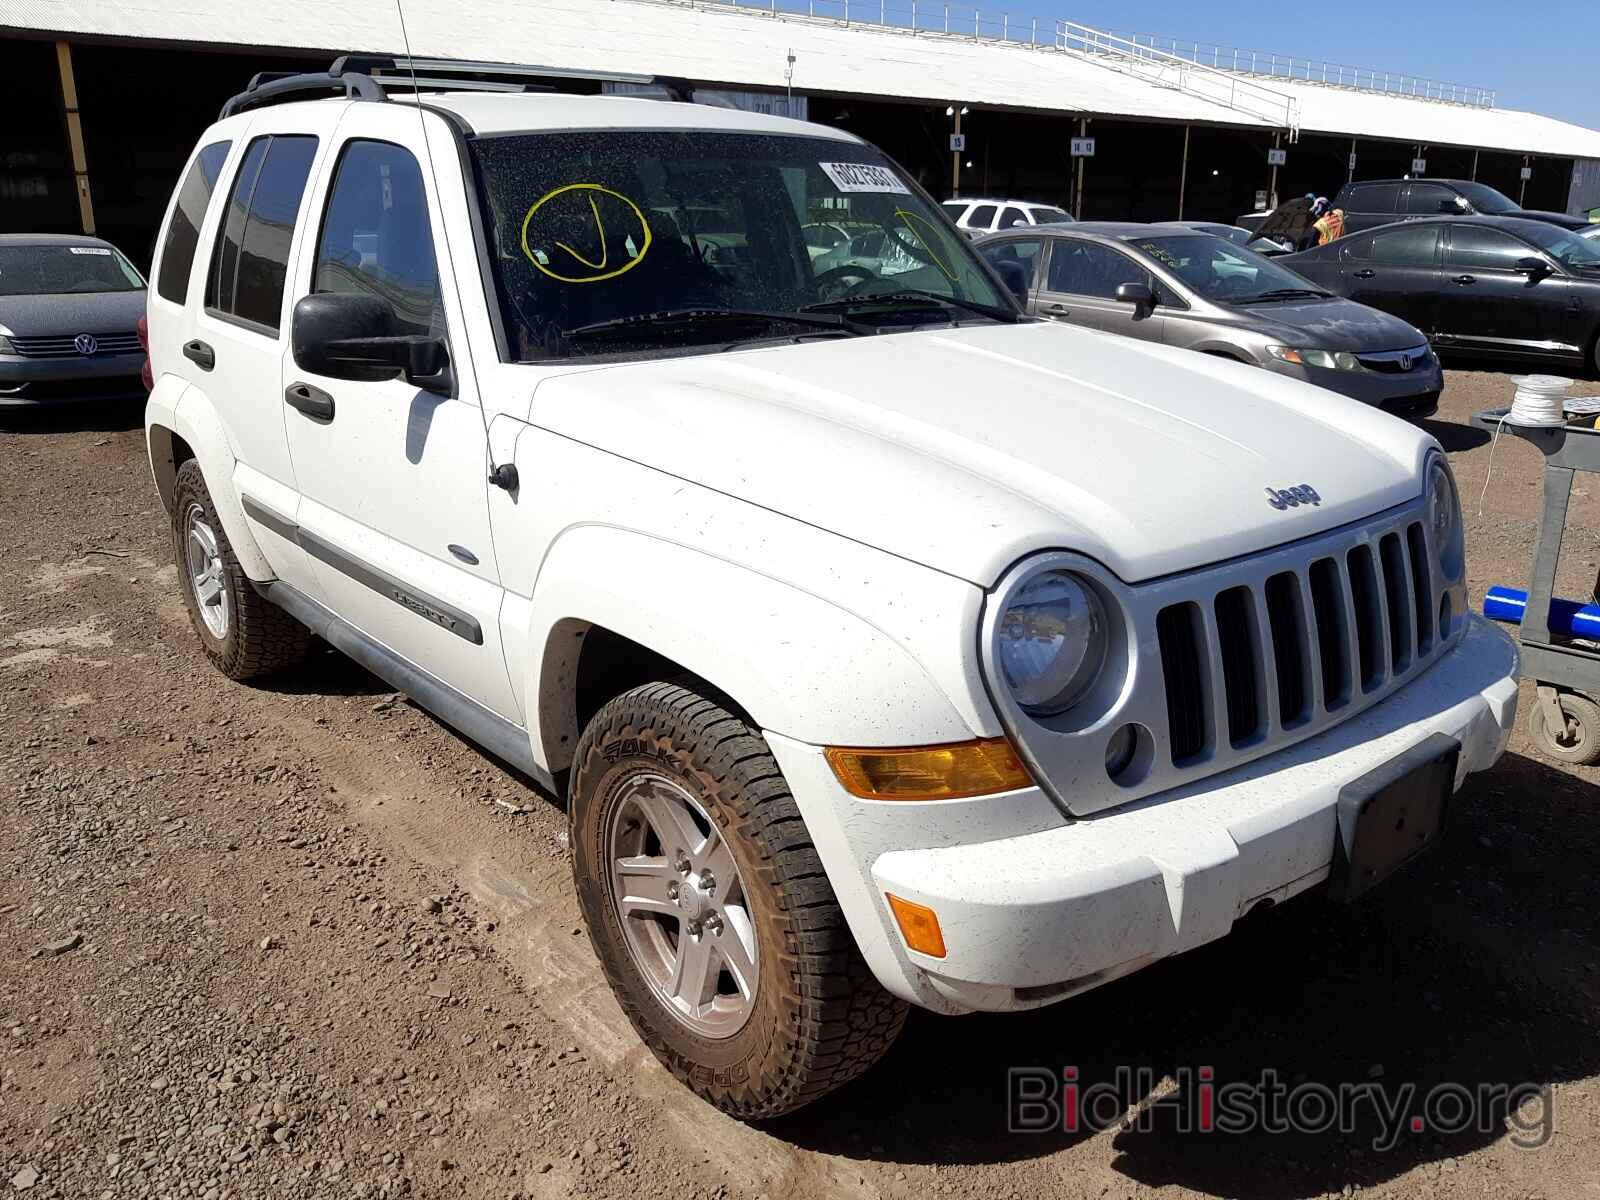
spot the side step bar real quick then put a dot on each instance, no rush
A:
(492, 732)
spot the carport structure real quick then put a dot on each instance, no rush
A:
(105, 100)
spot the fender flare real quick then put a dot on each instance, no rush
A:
(797, 664)
(179, 409)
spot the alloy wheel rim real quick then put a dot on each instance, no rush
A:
(682, 904)
(203, 556)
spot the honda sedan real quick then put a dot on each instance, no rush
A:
(1205, 293)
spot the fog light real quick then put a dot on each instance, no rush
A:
(919, 925)
(1120, 749)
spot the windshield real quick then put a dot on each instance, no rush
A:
(1485, 199)
(1568, 249)
(1221, 271)
(49, 269)
(664, 236)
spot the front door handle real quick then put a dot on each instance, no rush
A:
(312, 401)
(1464, 280)
(1365, 273)
(200, 354)
(1057, 310)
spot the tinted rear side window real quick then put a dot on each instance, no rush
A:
(1375, 197)
(1407, 245)
(183, 233)
(252, 257)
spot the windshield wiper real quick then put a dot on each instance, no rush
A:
(919, 295)
(671, 319)
(1285, 294)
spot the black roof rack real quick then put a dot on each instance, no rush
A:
(371, 77)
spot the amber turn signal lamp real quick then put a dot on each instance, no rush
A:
(919, 925)
(930, 772)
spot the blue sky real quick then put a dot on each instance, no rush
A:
(1519, 50)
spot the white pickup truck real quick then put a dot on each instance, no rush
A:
(888, 647)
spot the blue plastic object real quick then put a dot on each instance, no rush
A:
(1566, 616)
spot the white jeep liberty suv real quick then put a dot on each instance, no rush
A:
(888, 648)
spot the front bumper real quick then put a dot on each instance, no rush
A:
(1412, 394)
(36, 382)
(1053, 908)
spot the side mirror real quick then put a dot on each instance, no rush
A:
(1015, 278)
(1137, 294)
(353, 336)
(1533, 268)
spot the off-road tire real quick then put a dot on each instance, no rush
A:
(261, 638)
(819, 1018)
(1580, 741)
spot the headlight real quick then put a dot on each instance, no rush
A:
(5, 346)
(1053, 641)
(1337, 360)
(1444, 518)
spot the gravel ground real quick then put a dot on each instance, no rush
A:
(300, 940)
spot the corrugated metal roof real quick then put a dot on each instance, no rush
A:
(749, 49)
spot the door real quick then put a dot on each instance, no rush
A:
(1396, 270)
(1487, 304)
(1080, 287)
(1011, 216)
(393, 479)
(238, 337)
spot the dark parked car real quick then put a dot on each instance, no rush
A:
(1375, 202)
(1506, 286)
(69, 321)
(1164, 283)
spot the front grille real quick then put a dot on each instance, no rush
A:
(1396, 362)
(62, 345)
(1346, 626)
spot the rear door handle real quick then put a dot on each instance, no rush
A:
(1465, 279)
(1365, 273)
(200, 354)
(312, 401)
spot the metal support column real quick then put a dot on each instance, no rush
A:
(1183, 172)
(1350, 176)
(1474, 166)
(80, 162)
(1077, 195)
(1272, 180)
(955, 161)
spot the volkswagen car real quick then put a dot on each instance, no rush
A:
(70, 309)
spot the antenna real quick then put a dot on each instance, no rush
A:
(502, 475)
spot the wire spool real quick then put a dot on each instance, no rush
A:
(1538, 400)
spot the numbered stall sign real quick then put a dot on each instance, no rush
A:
(1082, 147)
(958, 142)
(1276, 158)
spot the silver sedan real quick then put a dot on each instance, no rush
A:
(1201, 292)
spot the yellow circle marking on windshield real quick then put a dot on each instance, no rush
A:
(598, 270)
(907, 219)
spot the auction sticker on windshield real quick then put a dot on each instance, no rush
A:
(864, 177)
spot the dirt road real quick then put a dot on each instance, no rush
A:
(301, 940)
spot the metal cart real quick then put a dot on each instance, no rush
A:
(1565, 720)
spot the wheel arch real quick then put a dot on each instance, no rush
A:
(785, 659)
(181, 424)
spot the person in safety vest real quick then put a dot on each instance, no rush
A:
(1330, 226)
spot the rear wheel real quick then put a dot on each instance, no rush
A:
(243, 634)
(710, 911)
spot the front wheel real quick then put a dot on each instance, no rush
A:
(710, 911)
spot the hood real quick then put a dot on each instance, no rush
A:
(966, 449)
(73, 313)
(1565, 220)
(1333, 325)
